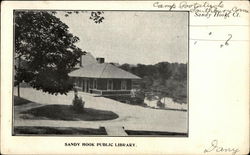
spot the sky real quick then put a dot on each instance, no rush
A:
(131, 36)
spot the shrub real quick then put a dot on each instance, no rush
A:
(160, 104)
(78, 104)
(136, 100)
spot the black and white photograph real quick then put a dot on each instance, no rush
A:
(100, 73)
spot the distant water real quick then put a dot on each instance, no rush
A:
(166, 103)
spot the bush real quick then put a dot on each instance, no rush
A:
(137, 97)
(160, 104)
(78, 104)
(136, 100)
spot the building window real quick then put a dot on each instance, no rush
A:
(110, 85)
(83, 84)
(123, 85)
(78, 82)
(94, 84)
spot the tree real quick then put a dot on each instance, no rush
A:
(180, 73)
(164, 70)
(164, 79)
(125, 67)
(96, 16)
(45, 51)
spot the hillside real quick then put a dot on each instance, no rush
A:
(163, 79)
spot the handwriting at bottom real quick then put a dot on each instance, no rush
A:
(215, 148)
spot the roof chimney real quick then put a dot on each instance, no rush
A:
(100, 60)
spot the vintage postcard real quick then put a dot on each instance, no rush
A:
(131, 77)
(100, 82)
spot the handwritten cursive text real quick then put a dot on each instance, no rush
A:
(203, 9)
(216, 148)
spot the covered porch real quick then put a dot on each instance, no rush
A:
(111, 92)
(103, 87)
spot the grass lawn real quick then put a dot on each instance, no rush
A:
(20, 101)
(66, 112)
(20, 130)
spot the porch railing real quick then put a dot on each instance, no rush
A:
(111, 92)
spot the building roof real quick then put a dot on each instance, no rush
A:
(86, 59)
(102, 70)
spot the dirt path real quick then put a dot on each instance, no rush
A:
(131, 117)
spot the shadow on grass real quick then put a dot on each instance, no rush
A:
(155, 133)
(20, 101)
(23, 130)
(66, 112)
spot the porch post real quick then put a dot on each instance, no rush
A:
(85, 85)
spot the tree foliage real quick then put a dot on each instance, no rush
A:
(96, 16)
(45, 51)
(164, 79)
